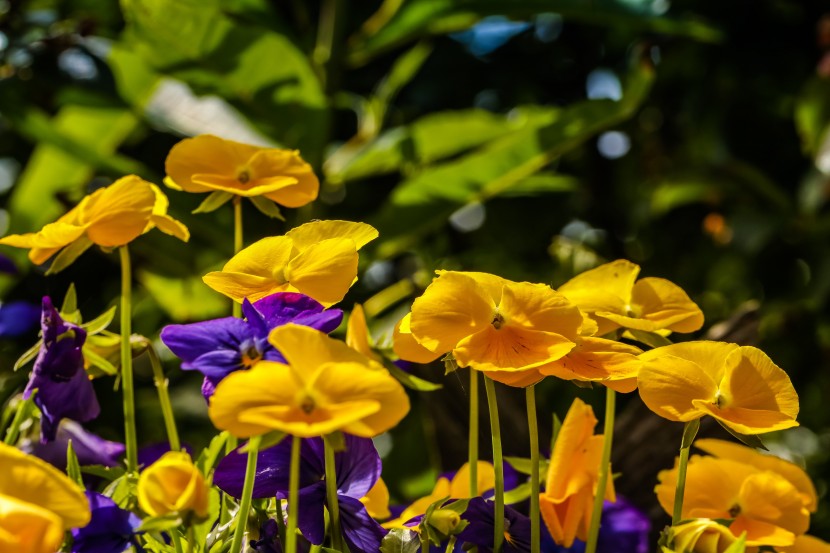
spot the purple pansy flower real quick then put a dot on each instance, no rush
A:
(18, 318)
(63, 387)
(269, 538)
(624, 529)
(111, 530)
(357, 467)
(7, 265)
(90, 449)
(219, 347)
(480, 514)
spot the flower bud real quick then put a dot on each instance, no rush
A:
(444, 520)
(173, 484)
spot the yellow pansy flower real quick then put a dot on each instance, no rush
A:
(806, 544)
(761, 503)
(738, 385)
(111, 216)
(701, 535)
(407, 347)
(325, 387)
(456, 488)
(376, 501)
(572, 478)
(37, 503)
(208, 163)
(612, 295)
(173, 485)
(318, 259)
(796, 475)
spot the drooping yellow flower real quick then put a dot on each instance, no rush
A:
(456, 488)
(701, 535)
(796, 475)
(173, 485)
(37, 503)
(325, 387)
(738, 385)
(573, 475)
(761, 503)
(208, 163)
(612, 295)
(515, 332)
(318, 259)
(109, 217)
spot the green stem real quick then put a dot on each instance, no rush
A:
(191, 539)
(237, 241)
(450, 545)
(293, 497)
(128, 392)
(424, 541)
(472, 443)
(498, 464)
(604, 469)
(331, 497)
(177, 541)
(280, 522)
(23, 411)
(164, 399)
(247, 492)
(533, 430)
(689, 433)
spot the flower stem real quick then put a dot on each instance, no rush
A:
(177, 541)
(164, 399)
(450, 544)
(23, 411)
(247, 492)
(237, 241)
(689, 432)
(128, 392)
(604, 469)
(498, 464)
(191, 539)
(472, 443)
(293, 497)
(331, 497)
(533, 430)
(280, 522)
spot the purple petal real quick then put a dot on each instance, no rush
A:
(286, 306)
(216, 364)
(191, 341)
(326, 321)
(310, 517)
(480, 530)
(361, 532)
(255, 319)
(7, 265)
(624, 528)
(90, 449)
(111, 529)
(18, 318)
(269, 538)
(358, 467)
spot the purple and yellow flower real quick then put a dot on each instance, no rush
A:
(111, 529)
(358, 470)
(219, 347)
(480, 515)
(62, 385)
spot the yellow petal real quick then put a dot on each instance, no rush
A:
(287, 164)
(357, 333)
(538, 307)
(666, 304)
(28, 528)
(376, 501)
(792, 472)
(806, 544)
(520, 379)
(568, 519)
(569, 472)
(171, 226)
(260, 187)
(604, 288)
(598, 359)
(407, 348)
(701, 535)
(306, 349)
(769, 497)
(172, 485)
(452, 307)
(710, 356)
(208, 155)
(324, 271)
(510, 349)
(755, 382)
(712, 487)
(670, 385)
(314, 232)
(747, 421)
(239, 286)
(761, 533)
(31, 480)
(266, 258)
(460, 484)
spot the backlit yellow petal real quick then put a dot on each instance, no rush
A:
(324, 271)
(460, 484)
(510, 349)
(28, 528)
(761, 533)
(376, 501)
(538, 307)
(666, 304)
(769, 497)
(701, 535)
(306, 349)
(520, 379)
(173, 485)
(260, 187)
(311, 233)
(710, 356)
(670, 385)
(604, 288)
(407, 348)
(598, 359)
(288, 163)
(747, 421)
(267, 258)
(32, 480)
(806, 544)
(755, 382)
(206, 154)
(712, 487)
(357, 333)
(239, 286)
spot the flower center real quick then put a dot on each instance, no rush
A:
(244, 176)
(735, 511)
(308, 405)
(250, 356)
(498, 320)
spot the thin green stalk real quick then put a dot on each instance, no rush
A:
(131, 441)
(498, 464)
(472, 443)
(191, 539)
(177, 541)
(247, 492)
(604, 469)
(533, 430)
(237, 241)
(450, 544)
(689, 432)
(293, 497)
(22, 412)
(424, 542)
(331, 497)
(280, 522)
(164, 399)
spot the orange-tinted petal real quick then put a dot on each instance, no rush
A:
(598, 359)
(520, 379)
(309, 234)
(806, 544)
(239, 286)
(28, 528)
(666, 304)
(207, 155)
(747, 421)
(407, 348)
(755, 382)
(761, 533)
(769, 497)
(712, 487)
(460, 484)
(357, 333)
(510, 348)
(670, 385)
(288, 163)
(538, 307)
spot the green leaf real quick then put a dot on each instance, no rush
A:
(557, 426)
(68, 255)
(73, 467)
(812, 113)
(213, 201)
(419, 18)
(268, 440)
(542, 183)
(651, 339)
(524, 466)
(107, 473)
(751, 440)
(70, 300)
(689, 433)
(400, 540)
(518, 494)
(409, 380)
(184, 299)
(101, 322)
(267, 207)
(738, 546)
(28, 355)
(98, 361)
(210, 455)
(160, 524)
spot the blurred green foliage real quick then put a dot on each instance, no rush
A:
(529, 138)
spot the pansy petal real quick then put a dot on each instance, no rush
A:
(239, 286)
(259, 187)
(510, 348)
(747, 421)
(538, 307)
(28, 528)
(407, 348)
(358, 467)
(597, 359)
(376, 501)
(325, 271)
(755, 382)
(770, 497)
(519, 379)
(669, 386)
(205, 154)
(308, 234)
(307, 349)
(761, 533)
(357, 332)
(806, 544)
(710, 356)
(663, 302)
(360, 531)
(284, 307)
(311, 515)
(190, 341)
(604, 288)
(171, 226)
(266, 258)
(712, 487)
(288, 163)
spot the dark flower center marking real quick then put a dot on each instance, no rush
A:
(250, 356)
(498, 321)
(243, 176)
(308, 405)
(735, 511)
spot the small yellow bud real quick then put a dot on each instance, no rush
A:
(173, 484)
